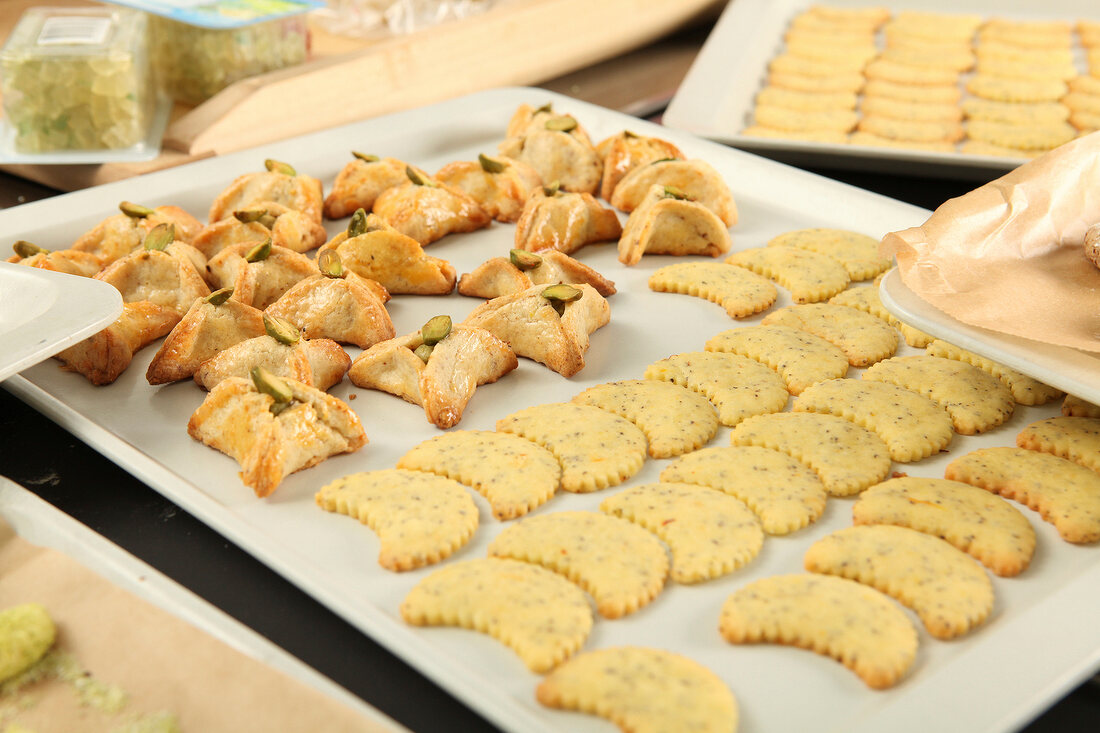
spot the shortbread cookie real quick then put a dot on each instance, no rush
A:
(1025, 390)
(832, 137)
(863, 338)
(805, 101)
(918, 111)
(675, 419)
(972, 519)
(975, 400)
(900, 73)
(741, 292)
(1016, 113)
(420, 518)
(1024, 70)
(912, 426)
(868, 301)
(800, 358)
(857, 252)
(737, 385)
(595, 448)
(920, 131)
(1075, 438)
(956, 57)
(1026, 137)
(1013, 53)
(979, 147)
(642, 690)
(788, 63)
(512, 473)
(837, 54)
(620, 564)
(1027, 33)
(848, 81)
(709, 533)
(1081, 102)
(949, 590)
(1085, 121)
(781, 490)
(1086, 84)
(1008, 89)
(862, 137)
(539, 614)
(785, 118)
(927, 93)
(1064, 493)
(1076, 407)
(846, 457)
(839, 618)
(810, 277)
(931, 27)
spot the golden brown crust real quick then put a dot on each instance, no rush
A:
(394, 260)
(359, 182)
(498, 276)
(348, 309)
(205, 331)
(319, 363)
(167, 277)
(695, 178)
(103, 356)
(565, 222)
(626, 151)
(502, 194)
(299, 192)
(69, 261)
(119, 235)
(259, 284)
(664, 224)
(429, 212)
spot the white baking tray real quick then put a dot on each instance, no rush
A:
(718, 93)
(1041, 616)
(42, 524)
(1072, 370)
(43, 312)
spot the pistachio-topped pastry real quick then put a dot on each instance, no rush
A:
(70, 261)
(360, 182)
(427, 209)
(696, 179)
(668, 221)
(123, 233)
(626, 151)
(262, 220)
(557, 219)
(163, 271)
(280, 183)
(500, 185)
(259, 272)
(522, 269)
(555, 145)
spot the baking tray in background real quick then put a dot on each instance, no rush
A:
(716, 98)
(974, 684)
(40, 523)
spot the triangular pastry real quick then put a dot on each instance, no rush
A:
(285, 227)
(500, 185)
(394, 260)
(258, 273)
(504, 275)
(668, 222)
(556, 146)
(209, 327)
(358, 184)
(530, 323)
(337, 304)
(168, 277)
(554, 219)
(302, 430)
(103, 356)
(68, 261)
(442, 384)
(626, 151)
(697, 179)
(427, 210)
(280, 184)
(319, 363)
(119, 235)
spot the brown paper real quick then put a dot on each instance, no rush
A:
(163, 663)
(1009, 256)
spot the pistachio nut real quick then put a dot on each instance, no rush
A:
(435, 330)
(135, 211)
(260, 252)
(278, 166)
(328, 262)
(552, 189)
(160, 237)
(219, 296)
(281, 330)
(560, 294)
(365, 157)
(358, 223)
(26, 249)
(424, 351)
(523, 259)
(247, 216)
(416, 177)
(674, 193)
(565, 123)
(274, 387)
(490, 165)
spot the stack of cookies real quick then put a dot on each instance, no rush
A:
(939, 82)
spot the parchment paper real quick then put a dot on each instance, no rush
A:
(163, 663)
(1008, 256)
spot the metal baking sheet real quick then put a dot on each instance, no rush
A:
(42, 524)
(1041, 616)
(718, 93)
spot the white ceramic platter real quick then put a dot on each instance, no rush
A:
(717, 96)
(43, 312)
(1072, 370)
(1041, 616)
(42, 524)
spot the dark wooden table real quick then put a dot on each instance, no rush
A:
(64, 471)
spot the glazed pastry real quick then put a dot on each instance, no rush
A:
(377, 252)
(667, 222)
(427, 210)
(336, 304)
(548, 323)
(273, 427)
(165, 272)
(554, 145)
(259, 274)
(285, 227)
(626, 151)
(437, 367)
(697, 180)
(358, 184)
(554, 219)
(103, 356)
(521, 269)
(212, 325)
(68, 261)
(499, 185)
(279, 184)
(119, 235)
(319, 363)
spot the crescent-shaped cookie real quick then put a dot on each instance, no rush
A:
(863, 338)
(738, 386)
(1075, 438)
(809, 276)
(800, 358)
(741, 292)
